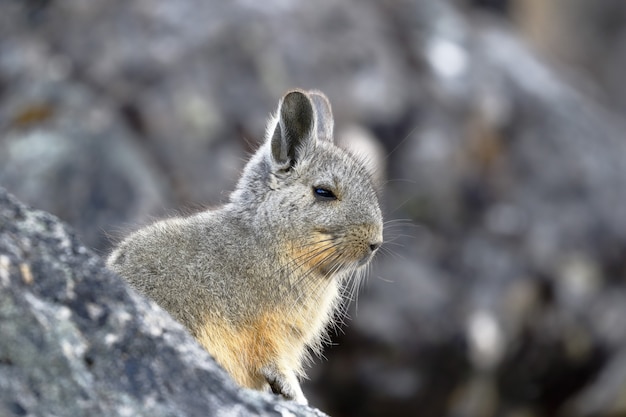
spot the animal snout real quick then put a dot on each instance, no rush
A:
(374, 246)
(362, 242)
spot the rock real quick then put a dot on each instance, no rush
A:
(201, 77)
(65, 148)
(495, 302)
(109, 184)
(568, 34)
(77, 341)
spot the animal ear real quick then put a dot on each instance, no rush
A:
(294, 128)
(324, 121)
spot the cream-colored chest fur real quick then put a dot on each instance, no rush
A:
(279, 337)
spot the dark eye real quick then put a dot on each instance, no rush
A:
(322, 193)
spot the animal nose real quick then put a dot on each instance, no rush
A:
(374, 246)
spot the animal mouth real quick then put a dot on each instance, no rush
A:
(328, 254)
(347, 262)
(365, 259)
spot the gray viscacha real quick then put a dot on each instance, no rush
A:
(258, 280)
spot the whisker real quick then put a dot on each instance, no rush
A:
(393, 221)
(398, 237)
(402, 141)
(305, 257)
(314, 270)
(309, 286)
(385, 279)
(402, 180)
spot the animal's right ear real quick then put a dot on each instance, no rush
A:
(294, 128)
(324, 121)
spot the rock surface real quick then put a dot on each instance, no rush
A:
(76, 341)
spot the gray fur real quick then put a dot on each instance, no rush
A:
(230, 265)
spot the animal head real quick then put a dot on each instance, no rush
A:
(310, 193)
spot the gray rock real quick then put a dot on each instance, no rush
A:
(569, 33)
(76, 341)
(505, 299)
(104, 180)
(64, 147)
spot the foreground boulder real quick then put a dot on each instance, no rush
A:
(76, 341)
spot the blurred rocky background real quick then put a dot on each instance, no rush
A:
(500, 133)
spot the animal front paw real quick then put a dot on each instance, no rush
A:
(285, 384)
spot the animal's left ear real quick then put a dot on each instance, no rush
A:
(293, 132)
(324, 122)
